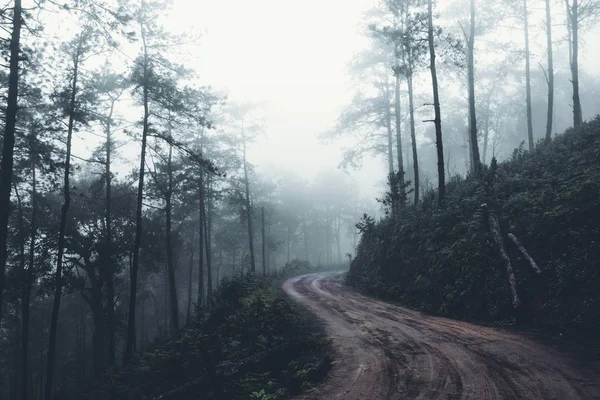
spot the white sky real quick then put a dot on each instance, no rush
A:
(291, 55)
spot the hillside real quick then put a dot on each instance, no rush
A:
(444, 260)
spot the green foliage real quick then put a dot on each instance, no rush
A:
(444, 261)
(255, 343)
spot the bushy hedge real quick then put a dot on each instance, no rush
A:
(255, 343)
(444, 261)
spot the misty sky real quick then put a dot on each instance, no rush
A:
(293, 56)
(290, 55)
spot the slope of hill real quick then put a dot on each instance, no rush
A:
(445, 261)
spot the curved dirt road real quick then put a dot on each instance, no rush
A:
(389, 352)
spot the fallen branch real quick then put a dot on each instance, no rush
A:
(525, 253)
(497, 235)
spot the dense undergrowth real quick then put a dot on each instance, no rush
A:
(254, 344)
(445, 262)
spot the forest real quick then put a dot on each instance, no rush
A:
(149, 218)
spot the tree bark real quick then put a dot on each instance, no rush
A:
(6, 166)
(264, 259)
(550, 74)
(248, 206)
(399, 140)
(110, 268)
(208, 243)
(27, 284)
(190, 275)
(439, 144)
(413, 138)
(523, 250)
(201, 241)
(388, 124)
(573, 25)
(497, 235)
(131, 336)
(169, 234)
(528, 75)
(471, 77)
(62, 229)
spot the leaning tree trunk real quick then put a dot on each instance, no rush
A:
(130, 341)
(550, 75)
(525, 253)
(62, 232)
(6, 167)
(439, 144)
(528, 75)
(169, 234)
(471, 77)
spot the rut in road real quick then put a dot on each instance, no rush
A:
(389, 352)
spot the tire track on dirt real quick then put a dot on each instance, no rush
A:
(385, 351)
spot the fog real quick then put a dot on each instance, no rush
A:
(152, 150)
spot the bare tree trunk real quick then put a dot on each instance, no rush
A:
(550, 74)
(207, 238)
(264, 259)
(248, 207)
(573, 26)
(27, 283)
(190, 275)
(6, 166)
(201, 240)
(62, 229)
(523, 250)
(131, 336)
(413, 138)
(110, 273)
(288, 243)
(169, 234)
(471, 76)
(388, 124)
(436, 105)
(305, 235)
(528, 75)
(399, 140)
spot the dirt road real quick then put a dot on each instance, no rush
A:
(389, 352)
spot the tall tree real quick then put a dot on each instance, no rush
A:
(439, 144)
(527, 74)
(550, 72)
(248, 201)
(6, 167)
(577, 13)
(473, 140)
(74, 104)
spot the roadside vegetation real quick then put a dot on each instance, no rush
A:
(446, 261)
(255, 343)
